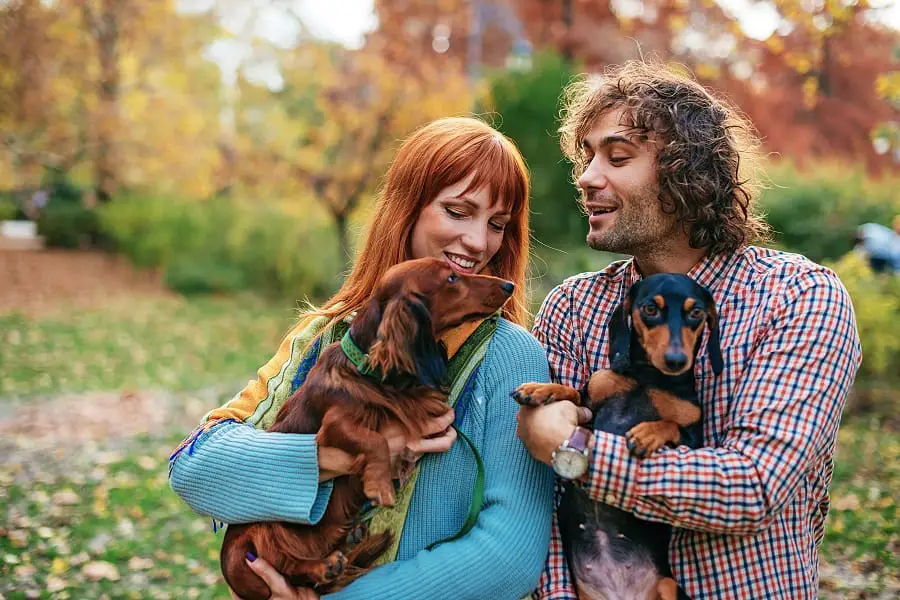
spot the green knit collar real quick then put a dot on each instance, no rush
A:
(359, 358)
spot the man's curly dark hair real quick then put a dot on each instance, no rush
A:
(708, 151)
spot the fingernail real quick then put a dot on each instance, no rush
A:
(251, 557)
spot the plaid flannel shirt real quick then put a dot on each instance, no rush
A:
(748, 509)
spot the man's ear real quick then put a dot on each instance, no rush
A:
(619, 331)
(713, 346)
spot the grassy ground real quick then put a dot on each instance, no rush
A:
(98, 520)
(171, 343)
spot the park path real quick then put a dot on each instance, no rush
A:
(35, 282)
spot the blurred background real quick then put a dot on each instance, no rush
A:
(177, 177)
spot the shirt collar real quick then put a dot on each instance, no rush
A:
(708, 271)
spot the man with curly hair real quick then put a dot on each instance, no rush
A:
(666, 172)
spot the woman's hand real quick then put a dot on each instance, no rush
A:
(281, 589)
(438, 436)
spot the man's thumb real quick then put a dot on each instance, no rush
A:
(584, 415)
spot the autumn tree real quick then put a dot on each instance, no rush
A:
(111, 92)
(334, 134)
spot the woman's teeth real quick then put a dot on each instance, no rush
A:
(462, 262)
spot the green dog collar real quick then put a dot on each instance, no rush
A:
(359, 358)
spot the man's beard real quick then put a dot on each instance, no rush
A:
(640, 227)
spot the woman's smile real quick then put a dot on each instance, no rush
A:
(460, 263)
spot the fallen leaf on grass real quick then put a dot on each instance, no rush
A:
(19, 538)
(58, 566)
(24, 571)
(66, 497)
(848, 502)
(138, 563)
(45, 532)
(100, 569)
(56, 584)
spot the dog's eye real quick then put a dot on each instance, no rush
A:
(453, 278)
(651, 310)
(696, 313)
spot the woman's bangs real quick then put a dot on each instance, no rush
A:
(496, 168)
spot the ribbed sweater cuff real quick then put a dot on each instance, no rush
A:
(238, 474)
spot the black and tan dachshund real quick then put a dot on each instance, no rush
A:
(649, 396)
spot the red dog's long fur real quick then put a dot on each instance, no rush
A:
(414, 303)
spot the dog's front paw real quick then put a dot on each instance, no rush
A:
(356, 534)
(538, 394)
(379, 490)
(646, 438)
(329, 568)
(335, 563)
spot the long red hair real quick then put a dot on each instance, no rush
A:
(434, 157)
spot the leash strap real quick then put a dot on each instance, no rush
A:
(477, 495)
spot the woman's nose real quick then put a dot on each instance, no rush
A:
(475, 238)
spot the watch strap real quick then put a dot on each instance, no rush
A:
(579, 439)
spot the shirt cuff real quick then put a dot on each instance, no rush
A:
(613, 472)
(560, 594)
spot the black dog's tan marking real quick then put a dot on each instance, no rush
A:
(649, 396)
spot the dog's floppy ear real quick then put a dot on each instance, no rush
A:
(405, 344)
(713, 346)
(620, 337)
(429, 356)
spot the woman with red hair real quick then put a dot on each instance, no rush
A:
(457, 190)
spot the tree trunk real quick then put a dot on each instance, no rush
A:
(340, 220)
(104, 28)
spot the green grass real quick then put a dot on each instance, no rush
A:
(173, 344)
(862, 536)
(121, 512)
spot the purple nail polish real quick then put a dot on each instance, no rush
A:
(251, 557)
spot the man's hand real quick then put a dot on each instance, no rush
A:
(543, 428)
(280, 588)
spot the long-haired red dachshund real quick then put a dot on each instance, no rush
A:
(415, 302)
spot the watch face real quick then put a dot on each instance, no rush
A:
(569, 463)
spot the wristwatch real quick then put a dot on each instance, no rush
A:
(570, 460)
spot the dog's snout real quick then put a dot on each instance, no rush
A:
(508, 287)
(675, 360)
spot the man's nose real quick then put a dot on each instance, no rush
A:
(594, 175)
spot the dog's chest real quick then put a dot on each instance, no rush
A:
(620, 412)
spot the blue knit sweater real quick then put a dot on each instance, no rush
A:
(237, 474)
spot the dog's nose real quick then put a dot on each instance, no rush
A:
(675, 361)
(508, 287)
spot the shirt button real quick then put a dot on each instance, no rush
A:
(610, 498)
